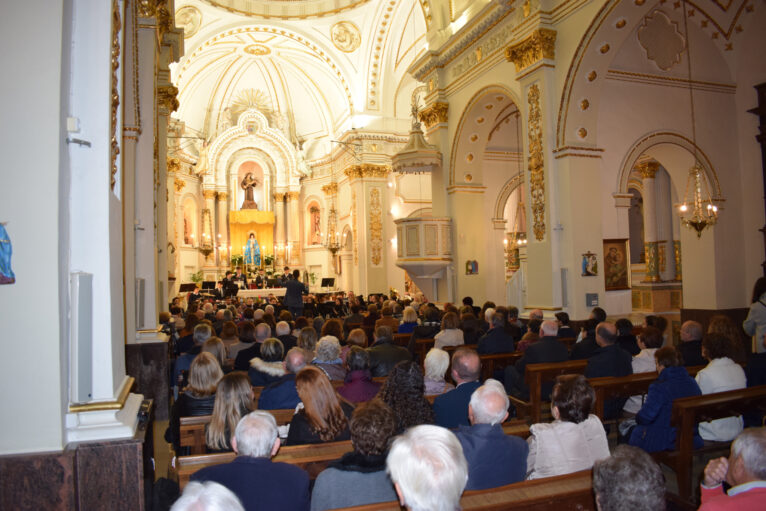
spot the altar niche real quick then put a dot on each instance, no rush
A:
(250, 189)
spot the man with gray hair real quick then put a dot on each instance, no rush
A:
(258, 482)
(244, 356)
(494, 458)
(283, 393)
(207, 496)
(545, 351)
(202, 332)
(496, 340)
(628, 479)
(284, 334)
(691, 344)
(428, 469)
(744, 470)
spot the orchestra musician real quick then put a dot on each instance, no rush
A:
(261, 280)
(240, 279)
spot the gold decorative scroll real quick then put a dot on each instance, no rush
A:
(174, 165)
(147, 8)
(331, 189)
(115, 100)
(434, 113)
(280, 197)
(222, 196)
(539, 45)
(648, 169)
(179, 184)
(354, 216)
(167, 98)
(208, 194)
(677, 257)
(652, 255)
(294, 195)
(376, 227)
(366, 170)
(536, 162)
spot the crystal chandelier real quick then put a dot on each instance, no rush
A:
(697, 210)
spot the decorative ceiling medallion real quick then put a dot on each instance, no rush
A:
(258, 50)
(660, 38)
(190, 19)
(345, 36)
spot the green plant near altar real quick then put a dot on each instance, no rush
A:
(312, 278)
(268, 260)
(237, 260)
(196, 277)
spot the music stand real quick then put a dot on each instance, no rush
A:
(208, 284)
(327, 282)
(187, 288)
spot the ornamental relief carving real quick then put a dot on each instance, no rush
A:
(167, 98)
(366, 170)
(115, 95)
(436, 112)
(541, 44)
(354, 216)
(331, 189)
(536, 162)
(376, 227)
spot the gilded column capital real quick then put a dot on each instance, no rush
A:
(436, 112)
(280, 197)
(331, 189)
(147, 8)
(222, 196)
(367, 170)
(174, 165)
(539, 45)
(179, 184)
(648, 169)
(209, 194)
(294, 196)
(167, 98)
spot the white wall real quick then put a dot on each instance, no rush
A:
(30, 138)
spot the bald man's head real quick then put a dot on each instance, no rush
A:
(606, 334)
(466, 365)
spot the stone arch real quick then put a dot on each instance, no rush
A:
(481, 133)
(505, 193)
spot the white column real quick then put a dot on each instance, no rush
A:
(648, 171)
(280, 238)
(223, 229)
(293, 227)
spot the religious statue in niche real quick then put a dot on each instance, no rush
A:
(316, 231)
(252, 251)
(248, 184)
(6, 251)
(187, 228)
(616, 274)
(589, 264)
(202, 162)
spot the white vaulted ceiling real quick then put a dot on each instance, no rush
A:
(320, 76)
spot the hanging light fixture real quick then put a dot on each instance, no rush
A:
(697, 210)
(517, 238)
(418, 156)
(332, 241)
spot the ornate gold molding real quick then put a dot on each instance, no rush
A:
(354, 225)
(115, 99)
(331, 189)
(291, 196)
(376, 227)
(209, 194)
(222, 196)
(366, 170)
(174, 165)
(536, 162)
(167, 98)
(648, 169)
(116, 404)
(436, 112)
(280, 197)
(539, 45)
(147, 8)
(179, 184)
(677, 257)
(652, 255)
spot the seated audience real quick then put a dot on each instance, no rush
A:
(575, 439)
(545, 351)
(428, 469)
(358, 386)
(267, 368)
(658, 322)
(207, 496)
(284, 334)
(262, 332)
(628, 479)
(720, 324)
(532, 335)
(324, 417)
(496, 340)
(372, 316)
(451, 408)
(328, 358)
(360, 477)
(653, 431)
(470, 325)
(650, 340)
(585, 347)
(202, 332)
(384, 354)
(625, 338)
(513, 326)
(233, 400)
(307, 341)
(450, 334)
(565, 331)
(428, 329)
(230, 337)
(403, 391)
(197, 398)
(246, 339)
(744, 471)
(494, 458)
(409, 321)
(333, 327)
(486, 318)
(282, 393)
(215, 347)
(609, 360)
(356, 337)
(354, 319)
(252, 476)
(720, 375)
(436, 365)
(691, 344)
(388, 319)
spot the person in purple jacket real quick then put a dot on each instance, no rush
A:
(359, 386)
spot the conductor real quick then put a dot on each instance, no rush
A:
(294, 291)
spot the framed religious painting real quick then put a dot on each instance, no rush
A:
(616, 265)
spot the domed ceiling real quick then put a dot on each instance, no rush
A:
(314, 78)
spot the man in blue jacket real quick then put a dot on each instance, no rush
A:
(258, 482)
(451, 409)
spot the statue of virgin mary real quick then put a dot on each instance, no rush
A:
(252, 251)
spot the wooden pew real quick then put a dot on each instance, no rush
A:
(537, 374)
(497, 361)
(570, 491)
(689, 411)
(193, 429)
(402, 340)
(421, 349)
(625, 386)
(569, 341)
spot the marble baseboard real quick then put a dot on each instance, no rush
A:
(37, 481)
(149, 364)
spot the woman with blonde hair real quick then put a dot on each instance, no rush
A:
(436, 364)
(233, 400)
(307, 341)
(324, 417)
(450, 334)
(409, 321)
(197, 398)
(216, 347)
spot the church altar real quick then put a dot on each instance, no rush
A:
(244, 222)
(261, 293)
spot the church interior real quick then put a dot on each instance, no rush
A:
(552, 155)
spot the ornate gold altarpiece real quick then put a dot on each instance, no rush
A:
(243, 222)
